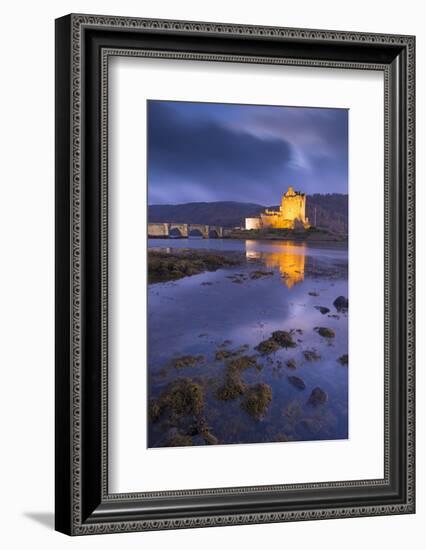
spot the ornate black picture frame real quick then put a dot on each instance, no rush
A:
(83, 45)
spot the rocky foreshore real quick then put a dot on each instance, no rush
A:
(169, 266)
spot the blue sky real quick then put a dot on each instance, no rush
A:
(204, 152)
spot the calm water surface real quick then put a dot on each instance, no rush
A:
(196, 315)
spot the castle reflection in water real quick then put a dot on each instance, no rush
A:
(287, 257)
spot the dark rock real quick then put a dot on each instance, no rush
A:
(325, 332)
(291, 364)
(259, 273)
(297, 382)
(322, 309)
(311, 355)
(344, 359)
(225, 343)
(283, 338)
(341, 304)
(313, 293)
(317, 397)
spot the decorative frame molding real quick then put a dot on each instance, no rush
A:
(84, 43)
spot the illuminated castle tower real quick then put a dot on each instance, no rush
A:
(291, 215)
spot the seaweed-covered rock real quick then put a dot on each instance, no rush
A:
(257, 400)
(179, 440)
(317, 397)
(260, 273)
(323, 310)
(241, 363)
(167, 266)
(210, 439)
(267, 346)
(291, 364)
(278, 339)
(283, 338)
(313, 425)
(232, 387)
(155, 410)
(188, 361)
(341, 304)
(292, 410)
(182, 397)
(344, 359)
(297, 382)
(311, 355)
(325, 332)
(223, 354)
(281, 438)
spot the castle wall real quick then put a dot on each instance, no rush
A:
(276, 221)
(253, 223)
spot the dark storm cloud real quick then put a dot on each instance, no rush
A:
(208, 152)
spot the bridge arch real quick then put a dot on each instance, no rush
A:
(197, 229)
(215, 231)
(178, 230)
(195, 232)
(175, 233)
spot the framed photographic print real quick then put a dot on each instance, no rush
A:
(234, 221)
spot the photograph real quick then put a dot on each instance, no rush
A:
(247, 283)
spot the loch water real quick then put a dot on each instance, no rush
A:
(228, 309)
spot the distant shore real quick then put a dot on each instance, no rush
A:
(312, 235)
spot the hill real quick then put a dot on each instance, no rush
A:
(225, 213)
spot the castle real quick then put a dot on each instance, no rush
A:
(291, 214)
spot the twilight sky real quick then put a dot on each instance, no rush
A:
(202, 152)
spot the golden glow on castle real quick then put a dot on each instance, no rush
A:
(291, 214)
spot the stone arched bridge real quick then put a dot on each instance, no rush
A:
(165, 230)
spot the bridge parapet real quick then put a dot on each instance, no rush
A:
(162, 230)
